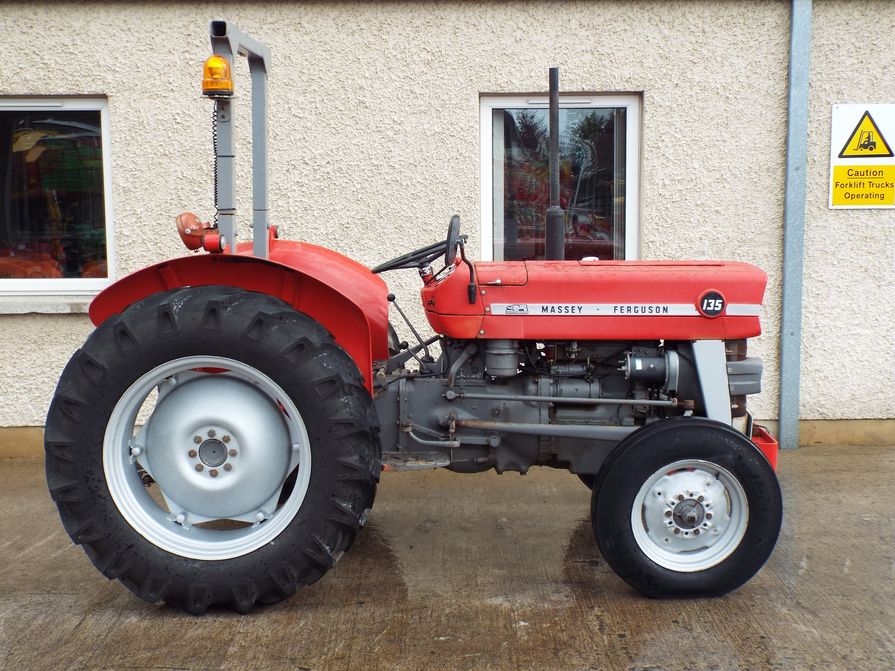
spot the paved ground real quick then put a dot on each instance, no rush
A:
(483, 572)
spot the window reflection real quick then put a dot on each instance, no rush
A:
(592, 176)
(52, 209)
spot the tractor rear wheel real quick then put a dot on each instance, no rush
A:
(686, 508)
(212, 447)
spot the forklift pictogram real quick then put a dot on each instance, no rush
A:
(866, 141)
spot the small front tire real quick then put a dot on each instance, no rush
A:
(686, 508)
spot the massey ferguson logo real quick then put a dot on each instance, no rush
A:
(516, 309)
(711, 303)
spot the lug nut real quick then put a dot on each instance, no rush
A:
(213, 472)
(668, 513)
(676, 530)
(708, 516)
(232, 452)
(211, 433)
(228, 467)
(192, 453)
(197, 439)
(696, 532)
(199, 467)
(226, 439)
(700, 499)
(680, 497)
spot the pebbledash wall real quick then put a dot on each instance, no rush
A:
(374, 135)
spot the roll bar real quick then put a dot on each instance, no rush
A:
(226, 41)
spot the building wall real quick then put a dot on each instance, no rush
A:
(374, 126)
(848, 334)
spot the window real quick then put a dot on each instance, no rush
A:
(55, 218)
(599, 170)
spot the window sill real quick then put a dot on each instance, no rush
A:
(47, 305)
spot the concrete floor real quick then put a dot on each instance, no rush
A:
(483, 572)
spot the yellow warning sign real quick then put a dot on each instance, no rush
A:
(862, 185)
(865, 140)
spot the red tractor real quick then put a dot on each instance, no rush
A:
(218, 439)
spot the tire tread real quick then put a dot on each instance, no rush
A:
(285, 341)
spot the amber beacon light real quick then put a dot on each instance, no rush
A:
(216, 79)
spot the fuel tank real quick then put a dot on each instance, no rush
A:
(599, 300)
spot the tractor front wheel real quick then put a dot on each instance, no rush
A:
(212, 447)
(686, 508)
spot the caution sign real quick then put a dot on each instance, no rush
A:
(862, 165)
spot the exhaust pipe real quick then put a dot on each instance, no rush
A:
(556, 227)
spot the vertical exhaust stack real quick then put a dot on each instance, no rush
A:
(556, 227)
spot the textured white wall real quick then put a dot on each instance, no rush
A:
(374, 139)
(848, 336)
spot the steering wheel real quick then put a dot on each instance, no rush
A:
(429, 253)
(453, 237)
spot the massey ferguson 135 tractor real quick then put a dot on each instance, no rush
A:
(217, 441)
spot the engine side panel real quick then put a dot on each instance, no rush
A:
(596, 300)
(341, 294)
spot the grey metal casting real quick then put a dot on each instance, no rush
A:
(794, 222)
(585, 431)
(227, 41)
(711, 368)
(527, 398)
(558, 413)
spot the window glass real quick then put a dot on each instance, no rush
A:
(591, 174)
(52, 200)
(599, 175)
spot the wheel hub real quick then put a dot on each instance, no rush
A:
(213, 452)
(688, 514)
(218, 448)
(245, 410)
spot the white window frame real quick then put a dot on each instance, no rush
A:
(69, 286)
(631, 103)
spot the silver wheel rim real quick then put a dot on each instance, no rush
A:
(690, 515)
(220, 444)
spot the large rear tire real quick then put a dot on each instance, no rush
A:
(256, 462)
(686, 508)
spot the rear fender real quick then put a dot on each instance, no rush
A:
(341, 294)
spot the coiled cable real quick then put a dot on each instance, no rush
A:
(214, 143)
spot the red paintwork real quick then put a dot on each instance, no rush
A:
(341, 294)
(595, 282)
(765, 442)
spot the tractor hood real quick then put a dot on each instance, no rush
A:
(587, 300)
